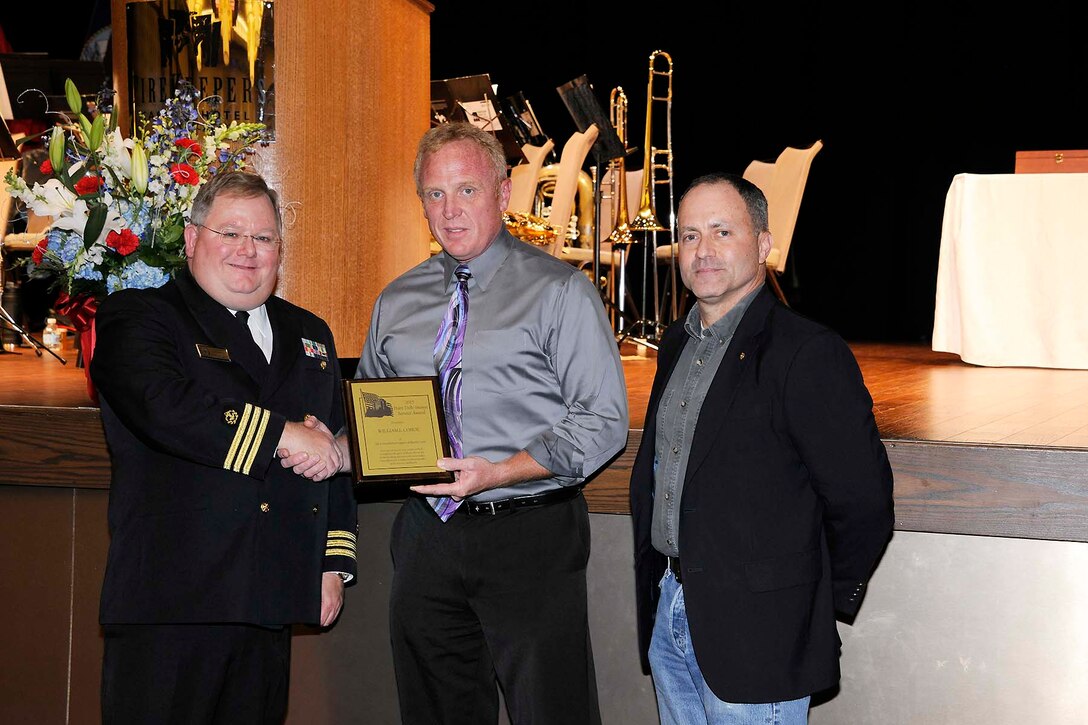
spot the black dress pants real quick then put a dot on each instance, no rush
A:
(184, 674)
(480, 598)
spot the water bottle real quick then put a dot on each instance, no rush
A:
(51, 335)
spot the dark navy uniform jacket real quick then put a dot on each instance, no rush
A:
(205, 524)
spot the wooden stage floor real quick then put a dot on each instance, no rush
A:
(974, 450)
(923, 395)
(918, 394)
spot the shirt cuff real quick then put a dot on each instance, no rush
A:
(557, 455)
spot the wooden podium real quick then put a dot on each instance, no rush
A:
(352, 99)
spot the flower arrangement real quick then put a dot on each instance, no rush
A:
(119, 206)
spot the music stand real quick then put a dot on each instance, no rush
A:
(522, 120)
(585, 109)
(471, 99)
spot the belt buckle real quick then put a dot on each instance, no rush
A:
(674, 567)
(490, 505)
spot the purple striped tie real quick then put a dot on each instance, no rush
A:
(447, 361)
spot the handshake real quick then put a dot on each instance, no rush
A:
(311, 450)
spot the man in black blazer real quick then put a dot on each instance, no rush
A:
(215, 547)
(761, 495)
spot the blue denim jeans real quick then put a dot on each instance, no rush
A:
(683, 697)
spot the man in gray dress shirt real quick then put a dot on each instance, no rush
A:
(498, 590)
(761, 495)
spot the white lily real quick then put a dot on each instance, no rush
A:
(51, 199)
(117, 156)
(76, 221)
(139, 167)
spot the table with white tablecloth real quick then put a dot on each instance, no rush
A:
(1012, 289)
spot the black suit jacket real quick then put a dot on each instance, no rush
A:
(786, 506)
(205, 526)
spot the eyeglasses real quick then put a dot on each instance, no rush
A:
(260, 241)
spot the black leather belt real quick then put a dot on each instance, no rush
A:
(674, 567)
(491, 508)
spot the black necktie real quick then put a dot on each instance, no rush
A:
(243, 318)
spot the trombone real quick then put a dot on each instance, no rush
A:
(656, 170)
(646, 219)
(621, 231)
(620, 238)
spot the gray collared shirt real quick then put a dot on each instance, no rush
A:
(540, 367)
(678, 413)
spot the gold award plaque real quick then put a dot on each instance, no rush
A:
(397, 429)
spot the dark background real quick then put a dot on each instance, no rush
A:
(903, 95)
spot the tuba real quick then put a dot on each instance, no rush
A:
(621, 231)
(646, 218)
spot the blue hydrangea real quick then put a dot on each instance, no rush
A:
(113, 283)
(137, 218)
(68, 247)
(54, 238)
(87, 271)
(137, 276)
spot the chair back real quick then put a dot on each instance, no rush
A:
(566, 183)
(760, 173)
(524, 177)
(784, 190)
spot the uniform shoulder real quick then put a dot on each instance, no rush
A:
(301, 313)
(131, 299)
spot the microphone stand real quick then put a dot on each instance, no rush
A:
(12, 325)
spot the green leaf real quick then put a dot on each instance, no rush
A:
(96, 219)
(172, 233)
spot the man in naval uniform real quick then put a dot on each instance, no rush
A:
(217, 548)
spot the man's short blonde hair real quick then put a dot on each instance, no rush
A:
(448, 133)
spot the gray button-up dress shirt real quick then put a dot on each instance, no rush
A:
(678, 414)
(540, 366)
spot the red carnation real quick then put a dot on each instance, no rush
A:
(88, 185)
(184, 174)
(46, 167)
(188, 143)
(124, 243)
(39, 251)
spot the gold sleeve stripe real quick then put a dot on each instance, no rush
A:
(247, 442)
(257, 438)
(338, 533)
(349, 553)
(247, 439)
(341, 543)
